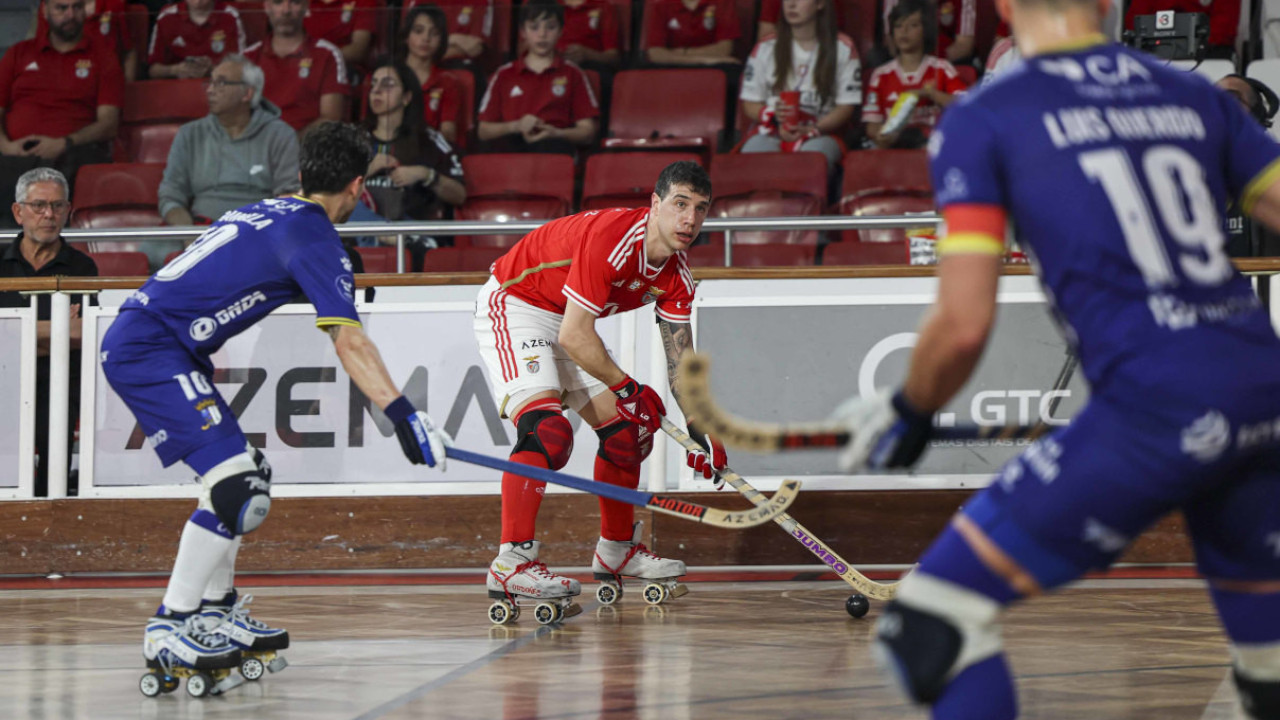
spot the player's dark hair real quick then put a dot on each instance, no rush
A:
(683, 172)
(1265, 103)
(333, 154)
(824, 71)
(433, 13)
(535, 10)
(905, 9)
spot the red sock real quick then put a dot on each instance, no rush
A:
(521, 498)
(616, 517)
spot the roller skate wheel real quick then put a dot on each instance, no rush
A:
(198, 685)
(151, 685)
(169, 684)
(608, 593)
(252, 669)
(546, 613)
(857, 605)
(500, 613)
(654, 594)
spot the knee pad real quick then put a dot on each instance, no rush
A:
(547, 432)
(238, 494)
(932, 631)
(1257, 674)
(623, 443)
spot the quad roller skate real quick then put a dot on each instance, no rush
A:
(517, 578)
(616, 559)
(182, 646)
(258, 642)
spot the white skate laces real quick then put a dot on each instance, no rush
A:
(168, 644)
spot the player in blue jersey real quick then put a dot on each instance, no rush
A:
(1114, 172)
(156, 355)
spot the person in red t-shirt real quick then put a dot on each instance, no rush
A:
(956, 22)
(191, 37)
(691, 32)
(1224, 19)
(541, 102)
(424, 37)
(60, 97)
(535, 323)
(306, 77)
(107, 20)
(590, 36)
(348, 24)
(906, 95)
(470, 26)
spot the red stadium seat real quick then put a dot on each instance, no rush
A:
(117, 195)
(147, 143)
(163, 101)
(382, 259)
(624, 179)
(776, 255)
(467, 113)
(769, 185)
(664, 109)
(455, 259)
(886, 205)
(865, 253)
(505, 187)
(878, 172)
(121, 264)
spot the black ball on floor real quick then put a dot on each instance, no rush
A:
(857, 605)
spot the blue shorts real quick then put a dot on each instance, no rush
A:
(1076, 499)
(170, 392)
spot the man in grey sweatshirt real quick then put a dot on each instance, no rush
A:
(241, 152)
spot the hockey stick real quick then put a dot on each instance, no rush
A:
(856, 580)
(666, 504)
(772, 437)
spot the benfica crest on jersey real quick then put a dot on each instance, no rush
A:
(531, 363)
(652, 295)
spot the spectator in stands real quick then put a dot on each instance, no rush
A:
(1244, 239)
(802, 85)
(423, 41)
(191, 37)
(1224, 19)
(590, 36)
(771, 9)
(106, 19)
(305, 77)
(470, 27)
(541, 102)
(41, 210)
(906, 95)
(691, 32)
(60, 97)
(415, 173)
(348, 24)
(241, 152)
(956, 21)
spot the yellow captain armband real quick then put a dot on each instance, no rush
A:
(324, 323)
(1258, 185)
(970, 244)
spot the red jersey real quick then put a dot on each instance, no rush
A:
(107, 23)
(441, 99)
(593, 25)
(561, 95)
(596, 259)
(176, 37)
(465, 17)
(670, 24)
(956, 18)
(889, 81)
(45, 92)
(296, 82)
(337, 20)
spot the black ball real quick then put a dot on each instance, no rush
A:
(857, 605)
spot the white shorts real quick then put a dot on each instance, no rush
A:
(520, 347)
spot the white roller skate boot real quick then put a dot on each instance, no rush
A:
(258, 641)
(516, 575)
(616, 559)
(181, 645)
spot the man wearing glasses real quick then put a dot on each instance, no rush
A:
(240, 153)
(41, 210)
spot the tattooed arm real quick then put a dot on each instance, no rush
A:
(676, 339)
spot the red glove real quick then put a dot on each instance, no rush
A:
(639, 404)
(710, 458)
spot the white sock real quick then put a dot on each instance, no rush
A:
(223, 579)
(200, 552)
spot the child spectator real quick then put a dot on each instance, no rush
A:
(190, 38)
(423, 42)
(470, 26)
(956, 22)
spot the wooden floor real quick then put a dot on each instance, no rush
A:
(1104, 649)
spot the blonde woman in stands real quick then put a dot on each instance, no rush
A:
(802, 85)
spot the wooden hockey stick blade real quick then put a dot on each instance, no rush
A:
(695, 373)
(666, 504)
(856, 580)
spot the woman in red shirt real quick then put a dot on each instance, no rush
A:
(423, 43)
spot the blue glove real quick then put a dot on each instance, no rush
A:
(421, 442)
(885, 432)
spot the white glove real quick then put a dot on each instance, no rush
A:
(884, 432)
(422, 442)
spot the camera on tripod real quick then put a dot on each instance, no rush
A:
(1170, 35)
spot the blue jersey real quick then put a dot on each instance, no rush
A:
(250, 262)
(1116, 173)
